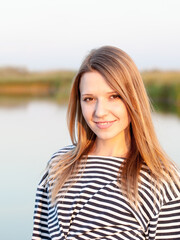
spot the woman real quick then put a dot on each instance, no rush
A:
(115, 181)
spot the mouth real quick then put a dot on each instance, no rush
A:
(104, 124)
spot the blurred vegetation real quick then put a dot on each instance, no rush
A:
(163, 88)
(18, 84)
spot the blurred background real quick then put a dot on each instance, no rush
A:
(42, 44)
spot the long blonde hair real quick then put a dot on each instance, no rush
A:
(122, 75)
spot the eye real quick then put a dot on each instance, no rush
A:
(87, 99)
(115, 96)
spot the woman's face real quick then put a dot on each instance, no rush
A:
(102, 108)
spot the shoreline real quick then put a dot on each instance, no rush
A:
(163, 87)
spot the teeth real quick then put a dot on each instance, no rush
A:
(105, 123)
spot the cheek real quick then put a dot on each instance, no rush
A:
(126, 114)
(127, 117)
(122, 113)
(85, 111)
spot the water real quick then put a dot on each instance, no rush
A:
(29, 136)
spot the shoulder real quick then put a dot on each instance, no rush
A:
(61, 151)
(165, 190)
(55, 158)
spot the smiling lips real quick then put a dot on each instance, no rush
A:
(105, 124)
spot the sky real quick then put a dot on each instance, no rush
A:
(58, 34)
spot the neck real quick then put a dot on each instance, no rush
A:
(118, 148)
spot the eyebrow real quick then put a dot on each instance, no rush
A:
(90, 94)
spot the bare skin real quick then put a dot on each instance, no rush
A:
(106, 115)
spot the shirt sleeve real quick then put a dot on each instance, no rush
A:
(40, 226)
(167, 224)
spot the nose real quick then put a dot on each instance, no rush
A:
(101, 109)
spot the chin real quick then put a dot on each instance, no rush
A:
(105, 138)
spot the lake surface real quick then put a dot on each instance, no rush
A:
(30, 134)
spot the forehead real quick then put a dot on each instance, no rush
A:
(93, 82)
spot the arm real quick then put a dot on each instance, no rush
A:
(40, 228)
(167, 224)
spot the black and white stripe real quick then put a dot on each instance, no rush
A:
(94, 207)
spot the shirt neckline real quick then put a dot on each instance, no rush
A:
(104, 156)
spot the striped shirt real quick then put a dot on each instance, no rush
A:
(95, 208)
